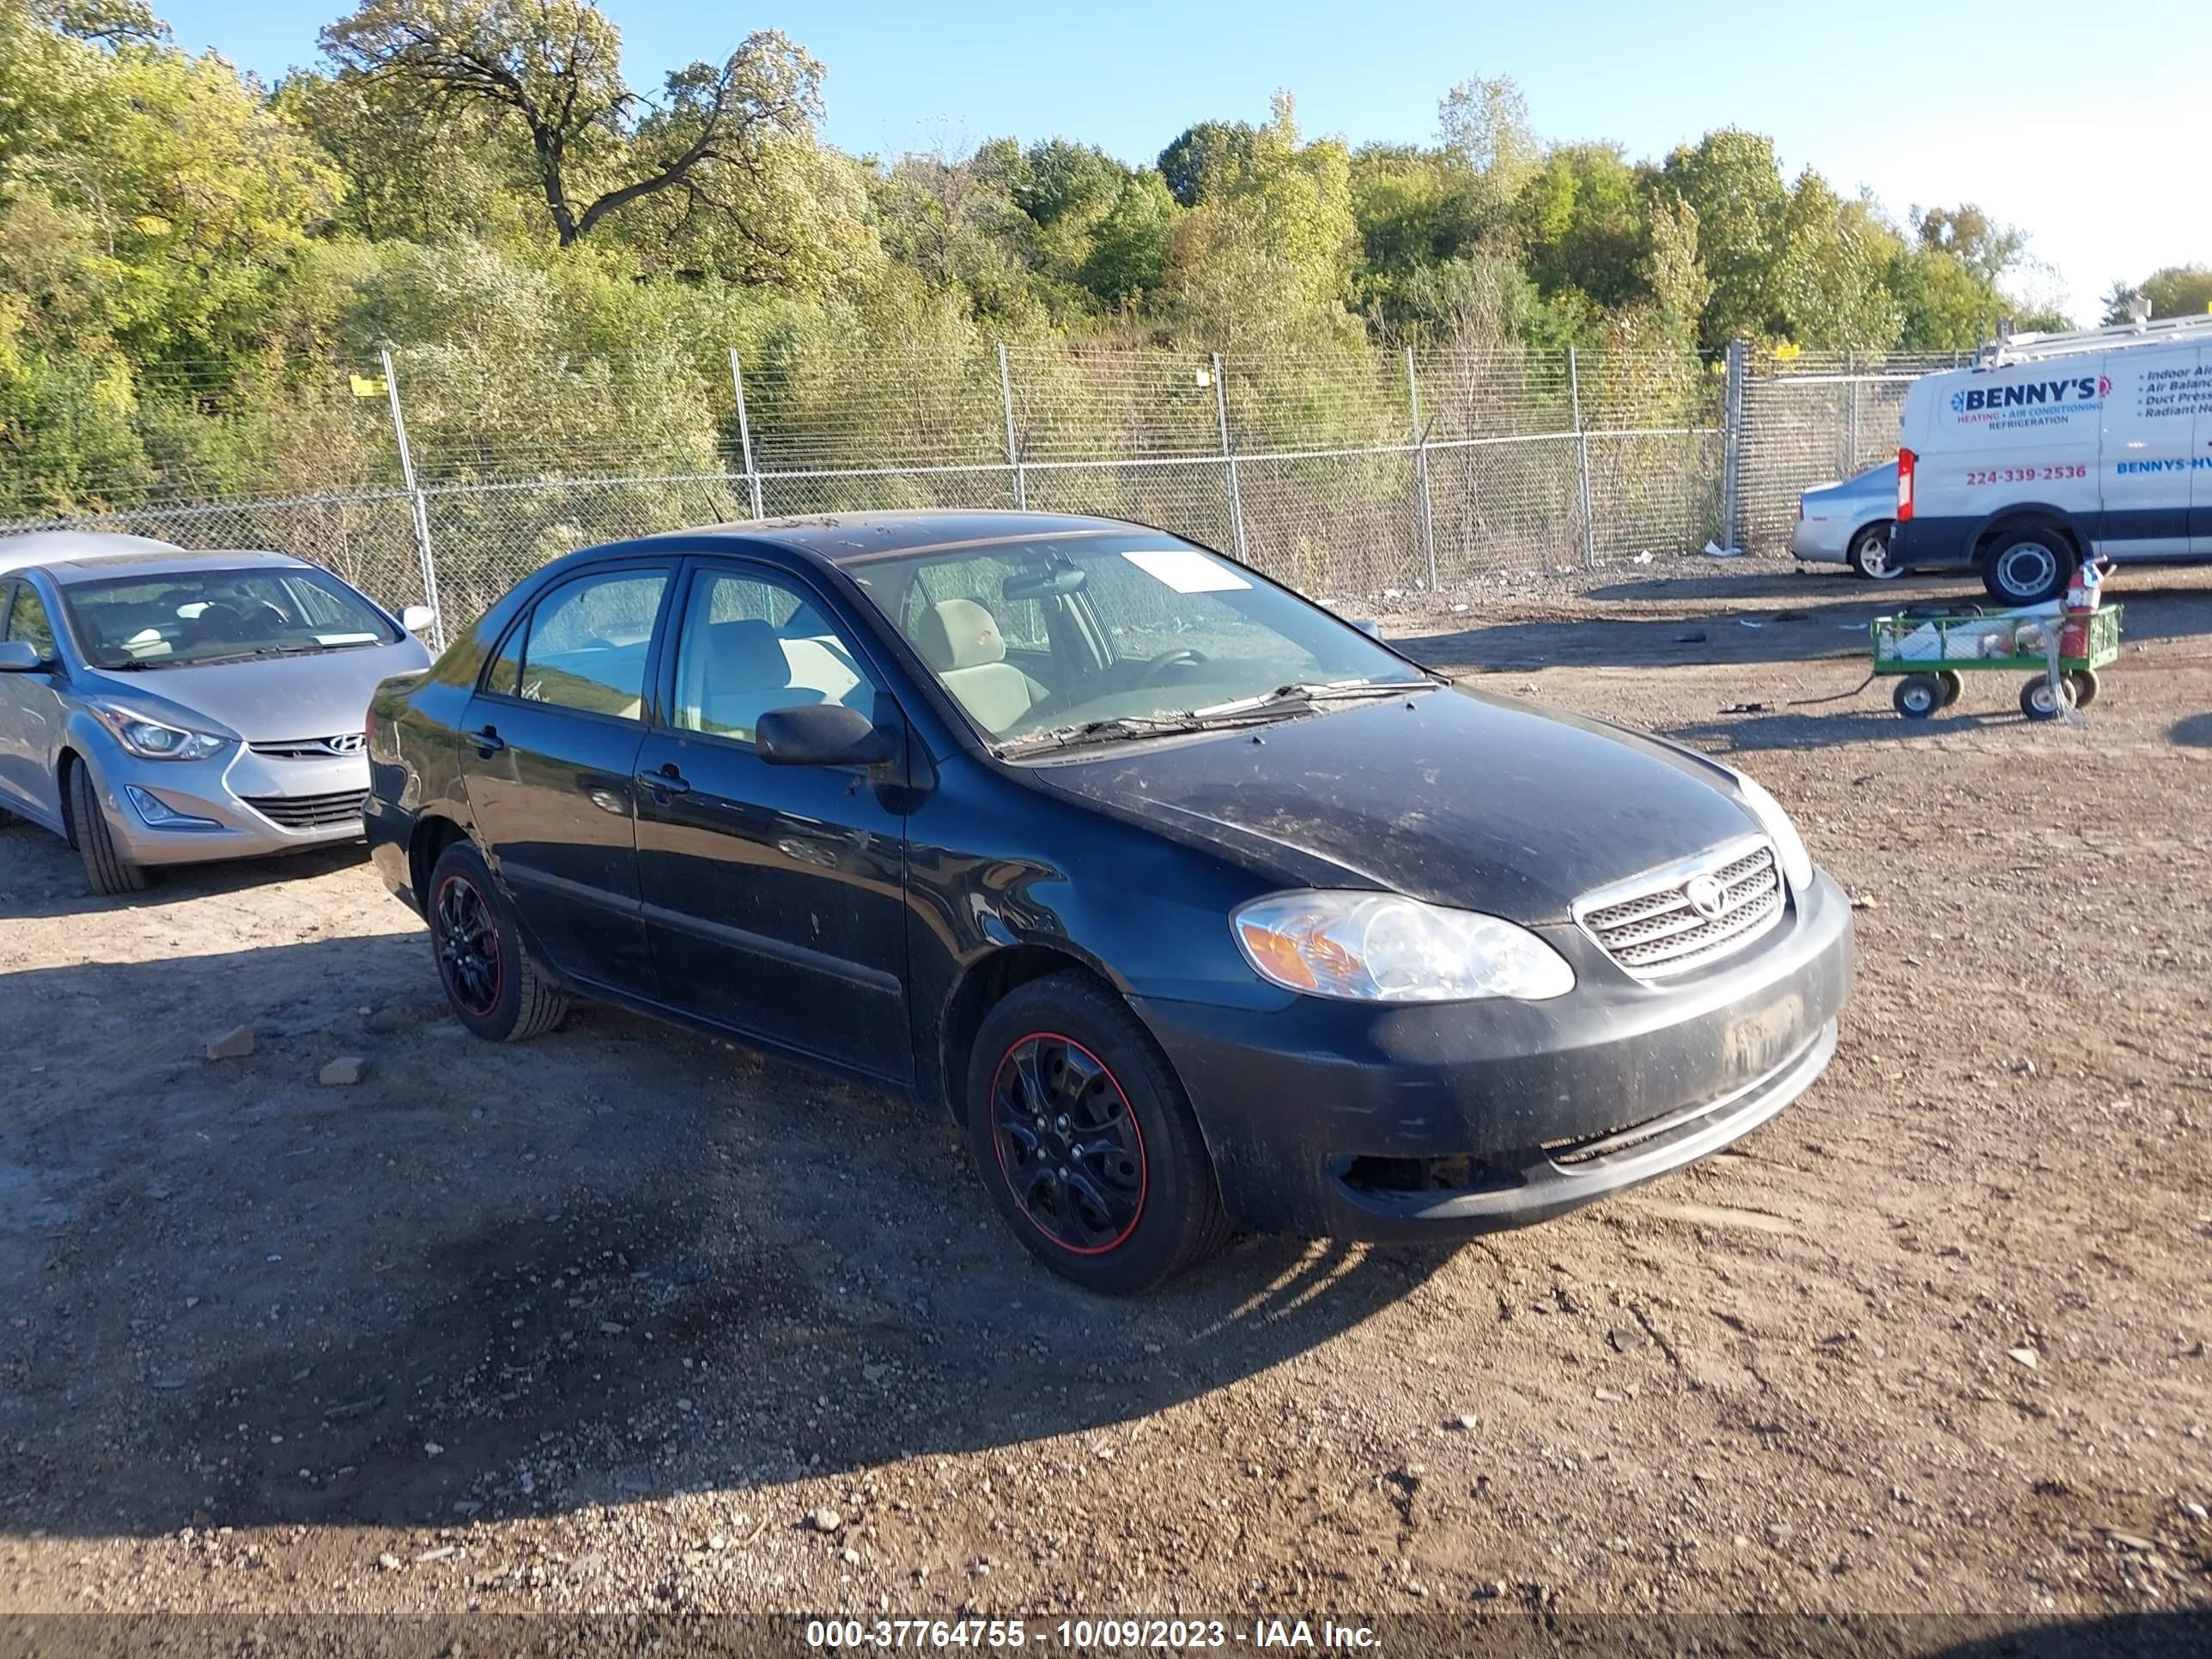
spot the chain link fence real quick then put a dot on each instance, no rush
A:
(1811, 419)
(1378, 477)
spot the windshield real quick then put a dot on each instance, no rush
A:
(185, 616)
(1124, 629)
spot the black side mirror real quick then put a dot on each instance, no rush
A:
(19, 657)
(822, 734)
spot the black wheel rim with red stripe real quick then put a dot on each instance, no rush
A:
(1068, 1144)
(468, 945)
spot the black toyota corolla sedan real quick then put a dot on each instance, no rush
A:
(1199, 908)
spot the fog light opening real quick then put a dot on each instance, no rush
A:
(1460, 1173)
(158, 814)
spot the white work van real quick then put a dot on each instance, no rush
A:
(2056, 447)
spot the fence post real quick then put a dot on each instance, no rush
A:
(1851, 414)
(1732, 445)
(417, 505)
(1229, 460)
(745, 435)
(1582, 459)
(1421, 467)
(1013, 453)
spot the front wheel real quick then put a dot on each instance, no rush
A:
(1085, 1141)
(1954, 683)
(2039, 702)
(107, 872)
(497, 991)
(1917, 696)
(1868, 555)
(2086, 686)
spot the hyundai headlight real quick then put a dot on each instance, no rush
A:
(1380, 947)
(152, 739)
(1789, 845)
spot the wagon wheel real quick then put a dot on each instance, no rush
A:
(1917, 696)
(2086, 686)
(2038, 703)
(1954, 683)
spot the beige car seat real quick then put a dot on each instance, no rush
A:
(960, 639)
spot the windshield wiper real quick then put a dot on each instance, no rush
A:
(1124, 727)
(1283, 702)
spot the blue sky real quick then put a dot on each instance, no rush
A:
(2088, 125)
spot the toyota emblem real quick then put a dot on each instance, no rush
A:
(1707, 897)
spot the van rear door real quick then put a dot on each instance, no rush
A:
(2145, 472)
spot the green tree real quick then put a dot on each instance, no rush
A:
(1672, 271)
(553, 69)
(1271, 254)
(1579, 217)
(1128, 255)
(1828, 285)
(1205, 156)
(2174, 291)
(1733, 181)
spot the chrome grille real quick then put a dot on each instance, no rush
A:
(343, 743)
(1652, 927)
(310, 811)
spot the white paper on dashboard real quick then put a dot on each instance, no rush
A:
(1186, 569)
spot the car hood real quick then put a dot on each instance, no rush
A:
(268, 700)
(1453, 796)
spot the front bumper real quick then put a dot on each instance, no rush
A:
(221, 793)
(1352, 1120)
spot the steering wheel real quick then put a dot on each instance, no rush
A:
(1181, 656)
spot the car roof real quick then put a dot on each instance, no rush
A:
(54, 546)
(850, 539)
(172, 562)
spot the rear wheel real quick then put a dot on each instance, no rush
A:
(105, 870)
(2039, 702)
(2027, 566)
(1868, 555)
(2086, 686)
(1085, 1141)
(1954, 683)
(494, 988)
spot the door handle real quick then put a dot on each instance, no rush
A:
(667, 782)
(487, 742)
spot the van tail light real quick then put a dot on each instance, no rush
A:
(1905, 458)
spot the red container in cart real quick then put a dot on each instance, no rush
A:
(2083, 595)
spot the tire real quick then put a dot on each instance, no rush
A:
(494, 987)
(1954, 684)
(2086, 686)
(1917, 696)
(1149, 1206)
(1868, 555)
(2027, 565)
(2037, 703)
(7, 818)
(107, 872)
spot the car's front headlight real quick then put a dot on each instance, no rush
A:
(1789, 845)
(151, 739)
(1380, 947)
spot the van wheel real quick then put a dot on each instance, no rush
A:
(107, 872)
(2027, 566)
(1085, 1141)
(1868, 555)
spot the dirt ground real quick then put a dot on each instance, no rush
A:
(614, 1320)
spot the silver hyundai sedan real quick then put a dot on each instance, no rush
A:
(162, 707)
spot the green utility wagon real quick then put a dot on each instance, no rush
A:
(1931, 652)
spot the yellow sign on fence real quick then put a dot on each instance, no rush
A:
(367, 385)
